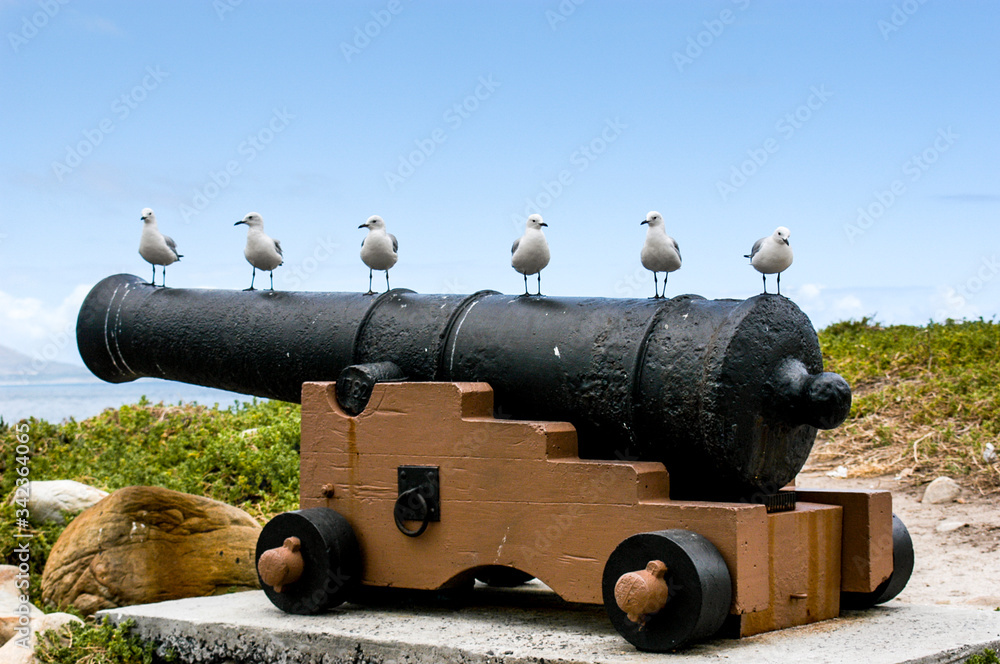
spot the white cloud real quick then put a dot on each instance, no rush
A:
(40, 329)
(848, 306)
(915, 305)
(810, 291)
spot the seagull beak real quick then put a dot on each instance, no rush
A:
(644, 221)
(786, 241)
(543, 224)
(241, 221)
(363, 226)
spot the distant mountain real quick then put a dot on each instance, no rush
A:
(17, 368)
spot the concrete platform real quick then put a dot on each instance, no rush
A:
(514, 627)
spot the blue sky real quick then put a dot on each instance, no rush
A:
(867, 128)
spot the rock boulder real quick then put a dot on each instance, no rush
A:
(14, 650)
(942, 490)
(52, 500)
(148, 544)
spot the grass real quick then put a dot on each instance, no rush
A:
(987, 656)
(98, 643)
(926, 401)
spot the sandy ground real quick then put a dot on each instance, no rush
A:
(959, 567)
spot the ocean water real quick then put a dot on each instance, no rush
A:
(59, 401)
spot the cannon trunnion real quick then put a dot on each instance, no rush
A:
(727, 394)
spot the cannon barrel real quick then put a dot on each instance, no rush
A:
(728, 394)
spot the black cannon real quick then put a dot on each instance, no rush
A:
(727, 394)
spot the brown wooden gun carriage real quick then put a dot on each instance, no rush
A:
(424, 489)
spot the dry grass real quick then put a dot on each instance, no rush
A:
(926, 401)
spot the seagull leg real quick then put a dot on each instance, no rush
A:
(252, 277)
(779, 283)
(272, 279)
(370, 291)
(539, 282)
(164, 284)
(153, 282)
(656, 292)
(664, 293)
(387, 281)
(526, 284)
(764, 277)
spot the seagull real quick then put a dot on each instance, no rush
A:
(530, 253)
(378, 249)
(155, 247)
(772, 255)
(660, 252)
(262, 252)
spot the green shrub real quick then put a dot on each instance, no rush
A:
(985, 657)
(926, 398)
(98, 643)
(245, 455)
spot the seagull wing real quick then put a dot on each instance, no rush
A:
(173, 246)
(277, 247)
(395, 245)
(677, 248)
(514, 248)
(756, 248)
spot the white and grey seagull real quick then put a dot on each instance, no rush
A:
(530, 253)
(772, 255)
(660, 252)
(379, 249)
(155, 247)
(261, 251)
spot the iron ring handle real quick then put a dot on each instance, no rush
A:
(415, 491)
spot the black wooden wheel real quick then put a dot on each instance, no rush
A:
(697, 578)
(331, 557)
(902, 568)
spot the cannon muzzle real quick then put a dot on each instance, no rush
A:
(728, 394)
